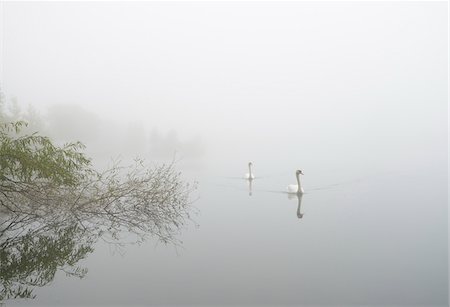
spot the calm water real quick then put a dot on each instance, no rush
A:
(355, 94)
(365, 237)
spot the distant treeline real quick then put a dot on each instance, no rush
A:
(103, 138)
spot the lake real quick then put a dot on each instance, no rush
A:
(358, 236)
(353, 93)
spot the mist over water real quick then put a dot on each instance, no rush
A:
(355, 94)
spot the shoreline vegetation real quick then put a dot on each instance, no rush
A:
(55, 206)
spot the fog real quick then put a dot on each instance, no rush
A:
(343, 90)
(348, 75)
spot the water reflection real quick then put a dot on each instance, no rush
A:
(299, 214)
(250, 183)
(299, 197)
(39, 239)
(31, 253)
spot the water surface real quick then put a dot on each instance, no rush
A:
(364, 238)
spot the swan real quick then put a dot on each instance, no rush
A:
(249, 175)
(296, 188)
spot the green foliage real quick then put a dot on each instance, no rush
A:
(33, 259)
(54, 206)
(33, 157)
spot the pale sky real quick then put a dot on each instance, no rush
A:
(353, 93)
(260, 69)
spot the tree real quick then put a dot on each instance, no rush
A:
(51, 198)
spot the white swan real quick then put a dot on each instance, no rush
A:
(249, 175)
(296, 188)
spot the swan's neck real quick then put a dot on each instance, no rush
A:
(249, 171)
(299, 190)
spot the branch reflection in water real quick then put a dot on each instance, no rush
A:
(44, 229)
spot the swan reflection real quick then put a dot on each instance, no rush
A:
(299, 197)
(250, 183)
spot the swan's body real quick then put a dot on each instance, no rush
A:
(296, 188)
(249, 175)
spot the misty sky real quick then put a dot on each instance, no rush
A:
(273, 71)
(353, 93)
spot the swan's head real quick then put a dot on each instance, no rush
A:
(250, 164)
(299, 172)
